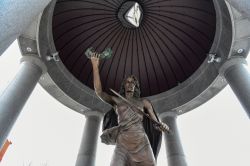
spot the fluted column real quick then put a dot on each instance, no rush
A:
(16, 94)
(237, 74)
(174, 150)
(87, 151)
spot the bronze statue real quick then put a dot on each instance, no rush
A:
(133, 147)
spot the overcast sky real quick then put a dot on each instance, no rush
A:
(214, 134)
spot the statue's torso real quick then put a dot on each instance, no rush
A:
(128, 113)
(132, 144)
(132, 135)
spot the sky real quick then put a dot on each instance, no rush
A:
(215, 134)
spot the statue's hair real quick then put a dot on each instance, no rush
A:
(137, 91)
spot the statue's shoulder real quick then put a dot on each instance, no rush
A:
(145, 100)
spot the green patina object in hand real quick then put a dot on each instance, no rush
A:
(107, 53)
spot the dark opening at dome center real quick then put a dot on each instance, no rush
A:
(130, 14)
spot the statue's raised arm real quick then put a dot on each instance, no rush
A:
(95, 60)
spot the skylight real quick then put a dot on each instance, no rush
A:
(133, 16)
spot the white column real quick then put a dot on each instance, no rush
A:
(87, 152)
(237, 75)
(174, 150)
(16, 94)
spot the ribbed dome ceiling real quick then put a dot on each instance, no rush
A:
(170, 44)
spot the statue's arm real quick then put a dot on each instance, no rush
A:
(97, 82)
(148, 106)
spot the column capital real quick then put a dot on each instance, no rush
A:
(231, 62)
(93, 113)
(34, 60)
(168, 114)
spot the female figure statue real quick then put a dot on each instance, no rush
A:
(133, 147)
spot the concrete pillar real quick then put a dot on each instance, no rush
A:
(15, 17)
(238, 77)
(16, 94)
(174, 150)
(87, 151)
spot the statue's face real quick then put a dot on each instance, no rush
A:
(129, 85)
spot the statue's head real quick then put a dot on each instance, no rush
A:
(131, 85)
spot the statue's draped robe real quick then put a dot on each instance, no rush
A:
(134, 134)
